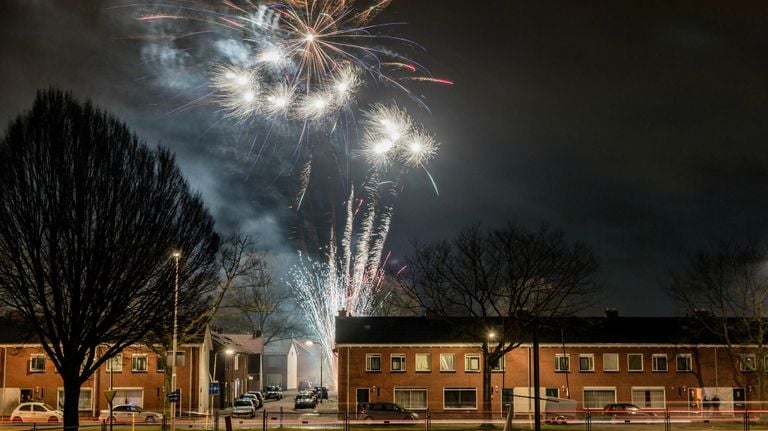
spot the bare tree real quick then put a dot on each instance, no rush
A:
(249, 299)
(89, 220)
(726, 288)
(510, 279)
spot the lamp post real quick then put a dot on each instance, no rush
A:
(177, 257)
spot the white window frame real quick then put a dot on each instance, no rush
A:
(655, 365)
(34, 363)
(498, 364)
(469, 360)
(559, 357)
(115, 364)
(590, 357)
(409, 405)
(397, 363)
(368, 362)
(596, 388)
(137, 356)
(86, 399)
(688, 359)
(641, 403)
(743, 363)
(444, 368)
(615, 357)
(460, 407)
(426, 358)
(629, 363)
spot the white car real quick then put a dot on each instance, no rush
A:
(243, 407)
(36, 412)
(130, 413)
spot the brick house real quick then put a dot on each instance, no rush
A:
(429, 363)
(138, 374)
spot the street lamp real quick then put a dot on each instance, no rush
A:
(177, 257)
(309, 343)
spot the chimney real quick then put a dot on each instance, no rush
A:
(343, 313)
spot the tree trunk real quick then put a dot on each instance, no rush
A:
(487, 404)
(71, 382)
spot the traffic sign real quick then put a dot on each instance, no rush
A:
(174, 396)
(213, 388)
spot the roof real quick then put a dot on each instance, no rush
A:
(16, 331)
(250, 342)
(278, 347)
(560, 330)
(235, 342)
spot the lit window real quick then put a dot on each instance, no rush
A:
(611, 362)
(447, 362)
(373, 362)
(472, 362)
(586, 362)
(411, 398)
(635, 362)
(139, 363)
(37, 363)
(684, 363)
(423, 362)
(747, 363)
(659, 363)
(397, 362)
(562, 362)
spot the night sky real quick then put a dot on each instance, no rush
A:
(636, 127)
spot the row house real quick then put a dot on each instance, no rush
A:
(139, 375)
(428, 363)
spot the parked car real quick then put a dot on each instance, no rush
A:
(257, 396)
(321, 392)
(36, 412)
(130, 413)
(625, 410)
(244, 407)
(273, 392)
(384, 411)
(304, 401)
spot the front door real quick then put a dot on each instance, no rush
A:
(739, 399)
(362, 398)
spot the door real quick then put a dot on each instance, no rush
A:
(362, 398)
(739, 399)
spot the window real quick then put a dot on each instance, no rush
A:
(37, 363)
(179, 358)
(411, 398)
(460, 398)
(85, 402)
(423, 362)
(684, 363)
(472, 362)
(397, 361)
(139, 363)
(562, 363)
(373, 362)
(635, 362)
(648, 398)
(659, 363)
(586, 362)
(611, 362)
(498, 364)
(160, 363)
(447, 362)
(747, 363)
(552, 392)
(115, 364)
(597, 398)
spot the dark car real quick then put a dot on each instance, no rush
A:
(273, 392)
(384, 411)
(625, 411)
(321, 392)
(305, 402)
